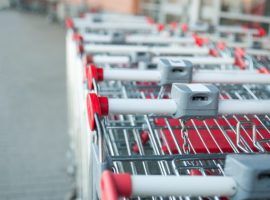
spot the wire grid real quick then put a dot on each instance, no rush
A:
(262, 61)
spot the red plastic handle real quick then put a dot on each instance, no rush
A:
(88, 59)
(144, 138)
(150, 20)
(94, 72)
(221, 45)
(114, 186)
(160, 27)
(200, 41)
(264, 70)
(174, 25)
(80, 48)
(96, 105)
(213, 52)
(239, 52)
(69, 23)
(77, 37)
(239, 58)
(261, 32)
(184, 28)
(240, 62)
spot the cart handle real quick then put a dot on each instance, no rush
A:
(201, 105)
(156, 50)
(114, 186)
(82, 25)
(133, 38)
(263, 70)
(199, 76)
(96, 106)
(261, 32)
(69, 23)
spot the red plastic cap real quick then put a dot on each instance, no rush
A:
(263, 70)
(195, 172)
(115, 185)
(88, 59)
(69, 23)
(96, 105)
(200, 41)
(85, 73)
(184, 28)
(77, 37)
(144, 138)
(94, 73)
(221, 45)
(213, 52)
(239, 52)
(80, 49)
(108, 188)
(104, 105)
(174, 25)
(160, 27)
(150, 20)
(240, 62)
(261, 32)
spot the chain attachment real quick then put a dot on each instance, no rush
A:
(184, 134)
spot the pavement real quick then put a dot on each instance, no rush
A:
(33, 114)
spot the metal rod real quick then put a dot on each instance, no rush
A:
(142, 106)
(141, 39)
(106, 59)
(131, 75)
(127, 49)
(202, 60)
(200, 76)
(244, 106)
(207, 76)
(182, 185)
(169, 106)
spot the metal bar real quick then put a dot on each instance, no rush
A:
(183, 185)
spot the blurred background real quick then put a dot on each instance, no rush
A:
(35, 159)
(229, 11)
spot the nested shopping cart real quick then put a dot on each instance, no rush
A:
(136, 134)
(138, 139)
(119, 48)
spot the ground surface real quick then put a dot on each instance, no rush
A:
(33, 122)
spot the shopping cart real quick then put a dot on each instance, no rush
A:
(174, 71)
(83, 26)
(158, 136)
(139, 137)
(120, 49)
(148, 144)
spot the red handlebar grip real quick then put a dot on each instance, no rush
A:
(96, 105)
(77, 37)
(69, 23)
(94, 73)
(114, 186)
